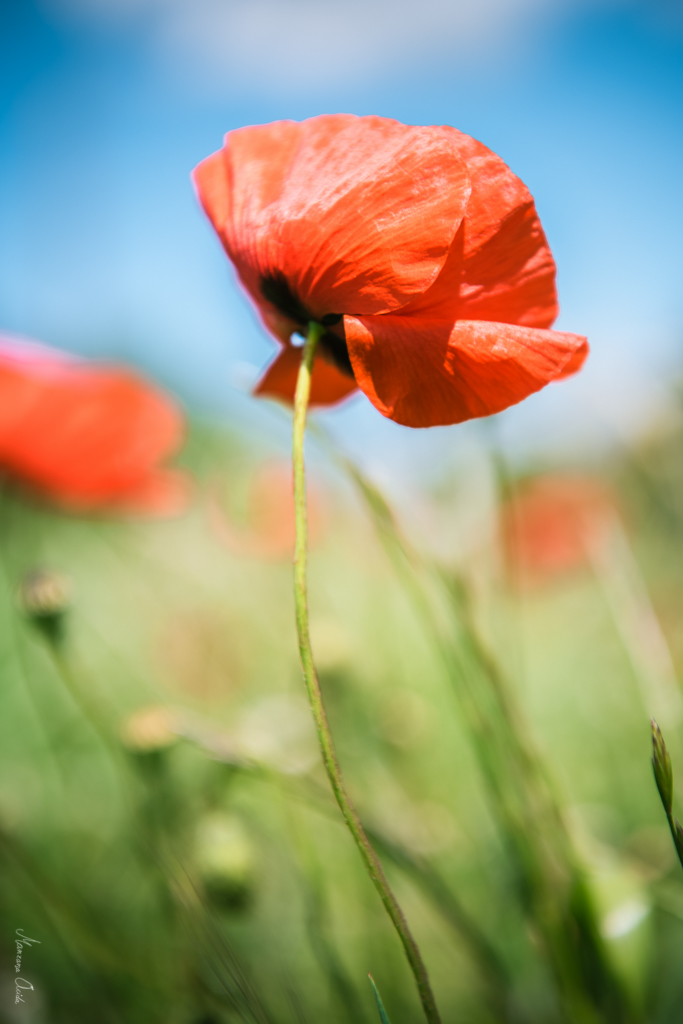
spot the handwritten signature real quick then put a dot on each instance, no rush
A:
(21, 985)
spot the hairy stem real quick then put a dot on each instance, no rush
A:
(370, 858)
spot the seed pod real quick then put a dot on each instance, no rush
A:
(44, 599)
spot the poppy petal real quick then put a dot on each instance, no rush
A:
(425, 373)
(352, 214)
(212, 184)
(500, 266)
(328, 384)
(574, 364)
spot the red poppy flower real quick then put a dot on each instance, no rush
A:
(269, 532)
(86, 436)
(550, 527)
(417, 248)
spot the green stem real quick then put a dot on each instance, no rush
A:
(370, 858)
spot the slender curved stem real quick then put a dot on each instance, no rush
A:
(370, 858)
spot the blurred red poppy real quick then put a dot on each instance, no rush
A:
(553, 523)
(269, 532)
(416, 247)
(86, 436)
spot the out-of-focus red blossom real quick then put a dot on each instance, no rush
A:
(418, 249)
(87, 436)
(550, 527)
(270, 529)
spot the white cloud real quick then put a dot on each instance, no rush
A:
(295, 44)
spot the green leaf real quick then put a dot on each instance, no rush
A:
(380, 1005)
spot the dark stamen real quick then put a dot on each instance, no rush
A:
(335, 351)
(276, 290)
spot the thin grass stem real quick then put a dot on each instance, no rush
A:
(370, 858)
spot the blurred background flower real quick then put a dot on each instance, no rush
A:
(268, 531)
(87, 436)
(550, 525)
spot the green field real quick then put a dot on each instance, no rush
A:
(190, 865)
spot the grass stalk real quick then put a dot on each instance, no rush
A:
(368, 855)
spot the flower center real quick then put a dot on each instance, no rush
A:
(275, 288)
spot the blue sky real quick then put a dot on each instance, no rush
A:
(106, 105)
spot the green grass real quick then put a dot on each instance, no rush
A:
(211, 880)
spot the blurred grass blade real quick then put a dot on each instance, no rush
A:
(495, 979)
(663, 772)
(627, 596)
(383, 1016)
(548, 874)
(494, 976)
(316, 912)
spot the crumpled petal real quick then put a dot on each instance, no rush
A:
(345, 215)
(328, 384)
(425, 373)
(499, 266)
(355, 214)
(85, 435)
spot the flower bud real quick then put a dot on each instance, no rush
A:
(149, 730)
(661, 764)
(224, 859)
(44, 599)
(678, 838)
